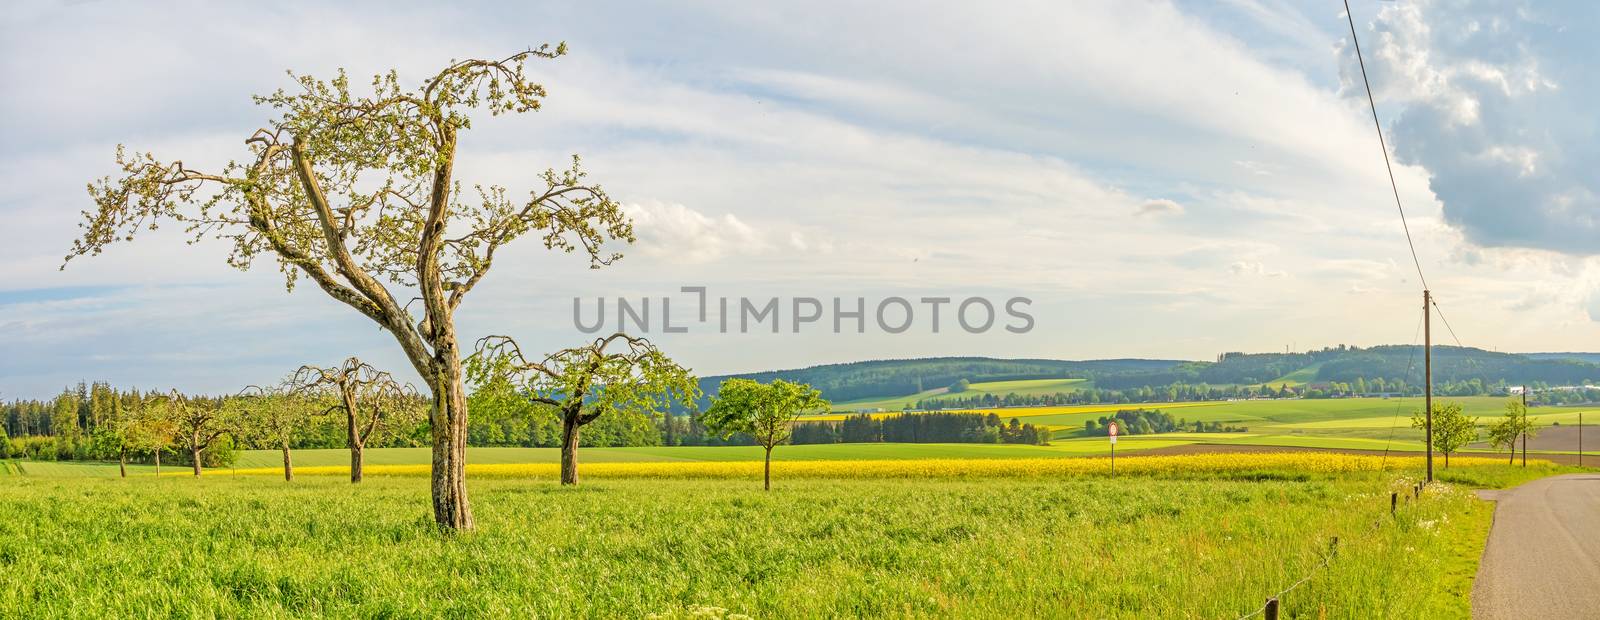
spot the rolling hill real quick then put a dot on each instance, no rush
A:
(895, 383)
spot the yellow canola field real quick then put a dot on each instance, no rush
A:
(1311, 462)
(1023, 412)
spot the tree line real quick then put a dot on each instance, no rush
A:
(1148, 421)
(1183, 392)
(921, 428)
(349, 406)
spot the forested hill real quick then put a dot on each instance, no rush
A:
(1402, 363)
(1396, 365)
(856, 380)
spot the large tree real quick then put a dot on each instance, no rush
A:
(372, 402)
(357, 192)
(766, 412)
(617, 374)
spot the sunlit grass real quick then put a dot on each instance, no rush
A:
(1186, 538)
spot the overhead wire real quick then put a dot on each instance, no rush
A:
(1411, 359)
(1388, 166)
(1383, 145)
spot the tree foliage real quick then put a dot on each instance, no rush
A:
(766, 412)
(357, 192)
(199, 423)
(372, 401)
(1452, 429)
(619, 375)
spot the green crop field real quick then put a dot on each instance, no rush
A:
(1297, 378)
(1341, 423)
(1178, 545)
(1024, 387)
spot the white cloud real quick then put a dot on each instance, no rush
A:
(1253, 268)
(680, 234)
(1497, 106)
(1159, 207)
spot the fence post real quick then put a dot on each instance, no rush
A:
(1272, 609)
(1394, 502)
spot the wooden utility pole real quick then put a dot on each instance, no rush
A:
(1427, 373)
(1524, 426)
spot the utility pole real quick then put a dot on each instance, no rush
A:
(1427, 373)
(1524, 426)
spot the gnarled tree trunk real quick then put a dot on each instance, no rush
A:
(569, 449)
(357, 443)
(353, 436)
(122, 462)
(158, 463)
(449, 422)
(288, 465)
(196, 454)
(358, 458)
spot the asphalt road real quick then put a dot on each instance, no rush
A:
(1543, 555)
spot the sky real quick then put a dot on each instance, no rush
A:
(1160, 180)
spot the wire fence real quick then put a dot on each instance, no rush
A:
(1270, 608)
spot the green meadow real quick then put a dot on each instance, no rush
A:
(1181, 546)
(1023, 387)
(1345, 423)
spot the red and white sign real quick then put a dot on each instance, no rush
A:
(1112, 428)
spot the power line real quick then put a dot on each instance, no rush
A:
(1447, 326)
(1382, 145)
(1400, 402)
(1394, 187)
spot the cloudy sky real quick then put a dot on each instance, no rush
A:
(1162, 180)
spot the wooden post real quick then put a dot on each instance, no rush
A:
(1394, 502)
(1272, 609)
(1427, 366)
(1524, 426)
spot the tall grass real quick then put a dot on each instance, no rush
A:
(1086, 546)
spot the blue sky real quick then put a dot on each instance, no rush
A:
(1163, 180)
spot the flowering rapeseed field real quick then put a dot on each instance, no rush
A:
(1307, 462)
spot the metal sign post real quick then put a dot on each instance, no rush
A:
(1112, 428)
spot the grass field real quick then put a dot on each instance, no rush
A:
(1024, 387)
(1357, 423)
(1297, 378)
(1187, 538)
